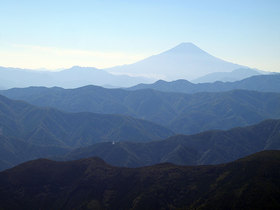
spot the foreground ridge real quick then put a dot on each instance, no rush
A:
(249, 183)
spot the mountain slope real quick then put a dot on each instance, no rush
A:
(211, 147)
(249, 183)
(182, 113)
(263, 83)
(185, 61)
(15, 151)
(50, 127)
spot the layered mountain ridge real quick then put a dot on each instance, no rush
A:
(91, 135)
(182, 113)
(29, 132)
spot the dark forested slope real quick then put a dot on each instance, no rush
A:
(249, 183)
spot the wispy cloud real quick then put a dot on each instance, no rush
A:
(75, 52)
(34, 56)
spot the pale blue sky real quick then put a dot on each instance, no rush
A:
(102, 33)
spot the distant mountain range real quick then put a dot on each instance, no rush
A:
(249, 183)
(210, 147)
(182, 113)
(69, 78)
(264, 83)
(235, 75)
(185, 61)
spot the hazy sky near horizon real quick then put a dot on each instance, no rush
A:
(103, 33)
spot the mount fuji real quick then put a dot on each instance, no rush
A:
(185, 61)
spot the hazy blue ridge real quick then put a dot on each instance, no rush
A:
(29, 132)
(263, 83)
(210, 147)
(182, 113)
